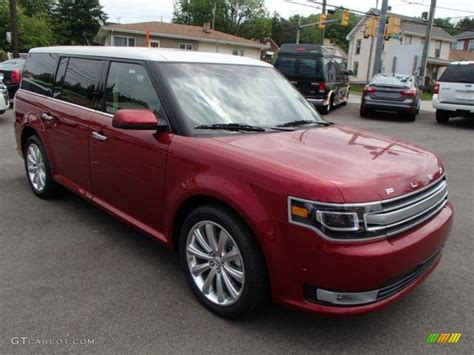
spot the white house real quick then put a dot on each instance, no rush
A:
(172, 35)
(399, 55)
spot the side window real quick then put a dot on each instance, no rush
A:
(60, 73)
(39, 72)
(79, 81)
(129, 87)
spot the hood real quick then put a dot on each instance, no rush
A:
(364, 166)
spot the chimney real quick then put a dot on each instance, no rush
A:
(206, 27)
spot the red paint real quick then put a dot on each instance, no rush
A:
(143, 177)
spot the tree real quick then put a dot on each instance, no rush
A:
(466, 24)
(246, 18)
(76, 22)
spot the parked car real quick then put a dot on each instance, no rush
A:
(318, 72)
(220, 158)
(391, 92)
(11, 70)
(4, 102)
(453, 95)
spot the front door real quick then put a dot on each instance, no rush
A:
(128, 166)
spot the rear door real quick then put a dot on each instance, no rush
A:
(128, 166)
(456, 85)
(68, 118)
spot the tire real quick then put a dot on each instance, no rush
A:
(442, 116)
(344, 103)
(37, 168)
(2, 112)
(411, 117)
(363, 113)
(324, 110)
(208, 260)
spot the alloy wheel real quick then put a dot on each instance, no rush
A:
(215, 263)
(36, 167)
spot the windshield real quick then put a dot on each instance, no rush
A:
(300, 66)
(221, 94)
(392, 80)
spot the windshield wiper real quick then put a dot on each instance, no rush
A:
(304, 122)
(232, 127)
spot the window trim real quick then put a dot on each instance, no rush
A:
(128, 41)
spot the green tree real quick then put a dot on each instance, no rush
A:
(466, 24)
(34, 31)
(246, 18)
(35, 7)
(76, 22)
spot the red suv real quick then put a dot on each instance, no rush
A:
(222, 159)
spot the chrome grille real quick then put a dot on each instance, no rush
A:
(408, 211)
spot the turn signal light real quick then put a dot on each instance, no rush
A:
(15, 76)
(369, 89)
(322, 86)
(300, 211)
(409, 92)
(436, 88)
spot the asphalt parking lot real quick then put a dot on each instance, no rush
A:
(68, 271)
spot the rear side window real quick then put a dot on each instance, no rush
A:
(129, 87)
(79, 81)
(458, 73)
(300, 66)
(39, 73)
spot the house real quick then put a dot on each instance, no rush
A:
(172, 35)
(401, 55)
(464, 41)
(272, 48)
(338, 48)
(461, 56)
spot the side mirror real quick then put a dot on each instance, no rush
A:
(137, 119)
(349, 72)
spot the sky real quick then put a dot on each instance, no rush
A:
(126, 11)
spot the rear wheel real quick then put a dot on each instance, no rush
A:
(324, 110)
(363, 112)
(222, 262)
(411, 117)
(38, 171)
(442, 116)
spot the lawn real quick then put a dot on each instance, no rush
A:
(358, 88)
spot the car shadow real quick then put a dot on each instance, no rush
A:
(386, 116)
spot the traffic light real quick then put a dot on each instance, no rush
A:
(393, 26)
(345, 18)
(322, 19)
(370, 27)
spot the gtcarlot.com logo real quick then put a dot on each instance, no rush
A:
(443, 338)
(51, 341)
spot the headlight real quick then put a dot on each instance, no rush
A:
(333, 221)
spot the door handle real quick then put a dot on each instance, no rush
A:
(98, 136)
(46, 116)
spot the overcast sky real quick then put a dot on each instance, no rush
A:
(155, 10)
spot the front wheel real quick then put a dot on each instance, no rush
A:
(38, 171)
(222, 262)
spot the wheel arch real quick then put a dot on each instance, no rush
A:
(26, 133)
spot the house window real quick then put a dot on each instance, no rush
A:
(470, 46)
(408, 40)
(355, 68)
(119, 41)
(358, 45)
(155, 44)
(459, 45)
(186, 46)
(438, 49)
(238, 52)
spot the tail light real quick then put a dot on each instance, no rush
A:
(369, 89)
(15, 76)
(409, 92)
(322, 86)
(436, 88)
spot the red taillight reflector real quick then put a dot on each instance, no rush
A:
(369, 89)
(15, 76)
(409, 92)
(300, 49)
(436, 88)
(322, 86)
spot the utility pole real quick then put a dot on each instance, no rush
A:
(214, 10)
(14, 28)
(426, 45)
(380, 39)
(323, 30)
(298, 31)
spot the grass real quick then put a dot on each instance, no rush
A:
(358, 88)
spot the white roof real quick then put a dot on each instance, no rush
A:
(152, 54)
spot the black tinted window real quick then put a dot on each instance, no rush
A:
(79, 81)
(60, 73)
(39, 73)
(300, 66)
(129, 87)
(459, 73)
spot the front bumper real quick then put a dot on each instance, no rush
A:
(356, 269)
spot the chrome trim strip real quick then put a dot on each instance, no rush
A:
(397, 216)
